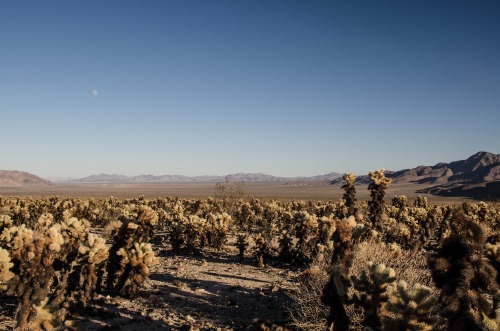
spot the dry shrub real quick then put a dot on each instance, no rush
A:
(309, 313)
(409, 266)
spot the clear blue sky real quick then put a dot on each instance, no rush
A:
(216, 87)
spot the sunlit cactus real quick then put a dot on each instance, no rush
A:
(5, 266)
(80, 282)
(188, 234)
(5, 222)
(491, 322)
(412, 309)
(493, 252)
(16, 238)
(218, 229)
(135, 264)
(33, 256)
(306, 230)
(74, 229)
(373, 284)
(136, 229)
(44, 221)
(421, 202)
(400, 201)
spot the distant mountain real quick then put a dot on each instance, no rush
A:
(104, 178)
(476, 177)
(13, 178)
(239, 177)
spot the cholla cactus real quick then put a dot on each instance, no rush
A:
(188, 234)
(135, 265)
(286, 245)
(342, 240)
(493, 252)
(350, 193)
(242, 244)
(465, 276)
(258, 244)
(377, 188)
(16, 238)
(400, 202)
(373, 283)
(93, 249)
(5, 265)
(412, 309)
(136, 228)
(80, 282)
(335, 296)
(335, 292)
(492, 322)
(34, 254)
(421, 202)
(218, 229)
(44, 221)
(306, 229)
(74, 229)
(53, 238)
(46, 316)
(5, 222)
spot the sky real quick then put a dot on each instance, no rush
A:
(286, 88)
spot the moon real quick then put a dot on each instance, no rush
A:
(94, 92)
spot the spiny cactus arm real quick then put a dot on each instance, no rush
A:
(412, 309)
(373, 282)
(492, 323)
(381, 275)
(493, 252)
(363, 282)
(147, 215)
(5, 265)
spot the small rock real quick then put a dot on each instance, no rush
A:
(180, 285)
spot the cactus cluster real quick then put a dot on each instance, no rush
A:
(53, 262)
(53, 265)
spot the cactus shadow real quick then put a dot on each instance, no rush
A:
(223, 257)
(111, 316)
(222, 303)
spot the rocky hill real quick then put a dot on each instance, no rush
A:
(13, 178)
(476, 177)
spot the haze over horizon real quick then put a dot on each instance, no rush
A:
(288, 89)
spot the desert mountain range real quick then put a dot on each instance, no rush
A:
(477, 177)
(480, 167)
(239, 177)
